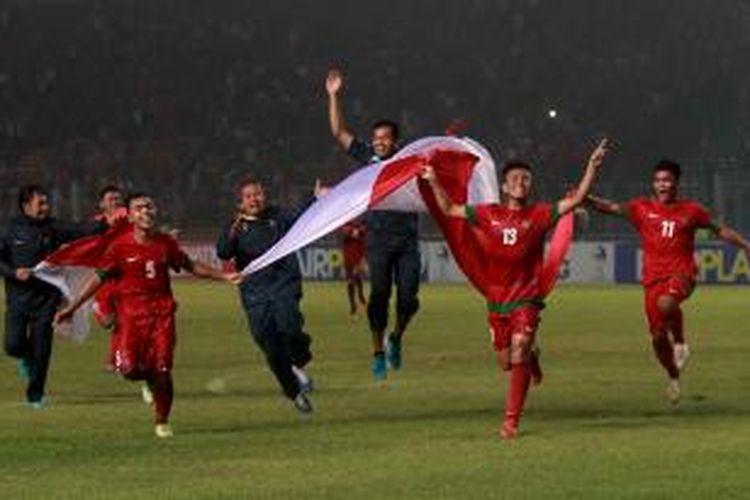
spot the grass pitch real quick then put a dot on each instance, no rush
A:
(599, 426)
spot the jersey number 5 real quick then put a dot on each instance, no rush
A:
(150, 269)
(667, 228)
(510, 236)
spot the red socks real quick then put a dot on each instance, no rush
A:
(520, 377)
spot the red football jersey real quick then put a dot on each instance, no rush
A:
(668, 235)
(143, 269)
(120, 217)
(353, 238)
(353, 233)
(515, 253)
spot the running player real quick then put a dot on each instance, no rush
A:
(514, 233)
(112, 213)
(144, 311)
(667, 224)
(353, 251)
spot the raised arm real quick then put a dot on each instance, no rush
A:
(444, 202)
(584, 186)
(226, 246)
(339, 130)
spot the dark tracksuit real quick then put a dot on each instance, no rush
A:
(392, 256)
(271, 296)
(31, 305)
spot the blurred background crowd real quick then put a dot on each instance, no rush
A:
(184, 98)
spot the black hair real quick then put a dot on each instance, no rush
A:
(668, 166)
(27, 193)
(248, 181)
(134, 196)
(111, 188)
(515, 165)
(395, 130)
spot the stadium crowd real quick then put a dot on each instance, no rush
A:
(184, 100)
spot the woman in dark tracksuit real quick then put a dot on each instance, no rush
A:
(271, 297)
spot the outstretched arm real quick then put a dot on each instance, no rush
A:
(607, 206)
(339, 130)
(584, 186)
(729, 235)
(444, 202)
(89, 289)
(203, 270)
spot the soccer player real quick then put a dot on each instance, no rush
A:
(667, 224)
(111, 208)
(353, 251)
(392, 239)
(31, 303)
(271, 297)
(515, 233)
(144, 310)
(112, 212)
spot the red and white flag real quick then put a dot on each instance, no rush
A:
(69, 268)
(467, 172)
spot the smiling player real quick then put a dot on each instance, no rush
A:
(667, 224)
(144, 332)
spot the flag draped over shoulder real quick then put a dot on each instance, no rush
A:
(466, 171)
(70, 267)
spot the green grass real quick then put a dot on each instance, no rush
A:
(599, 427)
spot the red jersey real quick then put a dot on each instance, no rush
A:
(353, 244)
(120, 216)
(515, 255)
(353, 233)
(143, 269)
(668, 236)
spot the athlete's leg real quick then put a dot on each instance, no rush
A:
(40, 352)
(381, 280)
(275, 346)
(408, 269)
(524, 323)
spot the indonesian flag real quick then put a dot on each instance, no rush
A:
(466, 171)
(69, 268)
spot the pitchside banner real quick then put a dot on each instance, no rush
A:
(718, 263)
(587, 262)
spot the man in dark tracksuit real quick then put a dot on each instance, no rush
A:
(392, 239)
(30, 303)
(271, 296)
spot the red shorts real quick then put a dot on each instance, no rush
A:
(521, 321)
(144, 337)
(679, 287)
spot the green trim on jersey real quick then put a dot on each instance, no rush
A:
(555, 213)
(103, 275)
(471, 214)
(508, 307)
